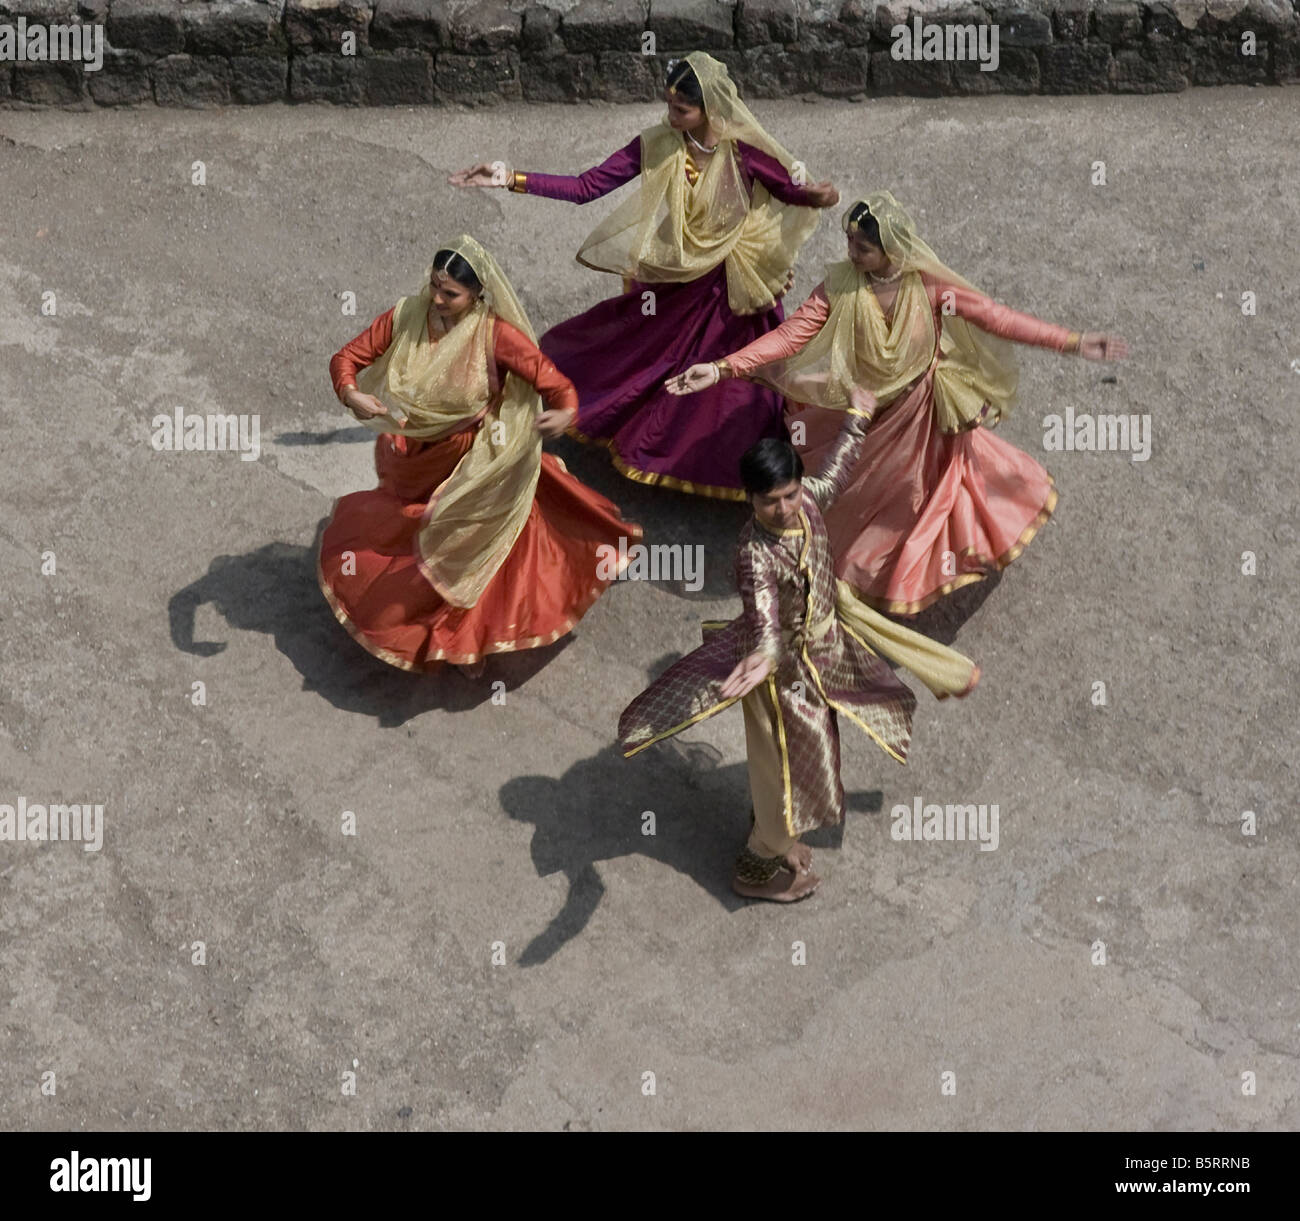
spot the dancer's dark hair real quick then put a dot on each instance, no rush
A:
(682, 80)
(454, 265)
(768, 464)
(866, 224)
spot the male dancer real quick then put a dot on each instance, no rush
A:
(802, 651)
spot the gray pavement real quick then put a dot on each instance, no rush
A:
(517, 822)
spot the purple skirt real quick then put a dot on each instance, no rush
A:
(618, 358)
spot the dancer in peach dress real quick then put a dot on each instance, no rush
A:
(936, 500)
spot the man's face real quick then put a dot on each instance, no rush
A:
(779, 508)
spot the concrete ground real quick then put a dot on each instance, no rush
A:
(517, 822)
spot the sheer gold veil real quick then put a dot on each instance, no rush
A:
(673, 231)
(975, 380)
(974, 375)
(475, 516)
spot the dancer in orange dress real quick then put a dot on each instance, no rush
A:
(475, 541)
(936, 500)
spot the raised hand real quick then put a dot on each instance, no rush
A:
(1096, 345)
(696, 378)
(484, 174)
(746, 676)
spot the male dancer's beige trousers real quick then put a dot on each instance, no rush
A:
(771, 835)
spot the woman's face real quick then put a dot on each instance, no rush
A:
(450, 297)
(682, 115)
(867, 256)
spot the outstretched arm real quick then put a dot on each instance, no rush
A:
(582, 188)
(837, 470)
(1019, 327)
(778, 344)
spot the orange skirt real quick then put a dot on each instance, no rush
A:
(368, 565)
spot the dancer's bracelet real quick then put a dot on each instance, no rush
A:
(518, 183)
(1073, 342)
(724, 369)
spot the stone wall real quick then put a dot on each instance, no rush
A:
(428, 52)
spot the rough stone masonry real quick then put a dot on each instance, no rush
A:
(203, 53)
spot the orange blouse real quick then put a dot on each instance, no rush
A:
(512, 350)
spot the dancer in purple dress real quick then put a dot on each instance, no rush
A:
(706, 248)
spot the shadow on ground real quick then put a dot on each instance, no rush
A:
(942, 620)
(596, 812)
(274, 590)
(667, 517)
(352, 434)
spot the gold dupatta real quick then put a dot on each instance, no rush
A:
(673, 231)
(857, 346)
(974, 378)
(437, 388)
(943, 670)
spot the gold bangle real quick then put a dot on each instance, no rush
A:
(724, 369)
(518, 183)
(1073, 342)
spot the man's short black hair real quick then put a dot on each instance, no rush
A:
(768, 464)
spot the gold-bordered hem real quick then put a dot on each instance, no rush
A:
(433, 660)
(653, 478)
(695, 720)
(1008, 557)
(976, 673)
(845, 710)
(805, 567)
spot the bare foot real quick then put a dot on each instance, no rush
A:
(799, 859)
(785, 886)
